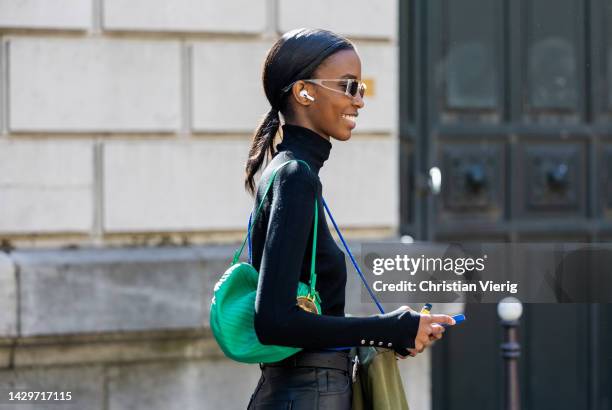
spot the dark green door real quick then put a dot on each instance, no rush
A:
(510, 104)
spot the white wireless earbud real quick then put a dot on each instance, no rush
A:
(305, 94)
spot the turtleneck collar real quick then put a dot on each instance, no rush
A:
(305, 144)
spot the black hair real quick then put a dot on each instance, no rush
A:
(295, 56)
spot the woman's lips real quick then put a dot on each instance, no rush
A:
(350, 119)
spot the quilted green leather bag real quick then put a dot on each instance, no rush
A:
(232, 310)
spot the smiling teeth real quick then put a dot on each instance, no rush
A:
(349, 117)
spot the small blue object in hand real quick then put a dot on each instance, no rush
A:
(458, 319)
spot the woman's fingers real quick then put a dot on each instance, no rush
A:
(418, 345)
(426, 342)
(422, 337)
(436, 332)
(422, 342)
(430, 329)
(442, 319)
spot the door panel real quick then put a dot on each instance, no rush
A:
(512, 101)
(553, 60)
(470, 62)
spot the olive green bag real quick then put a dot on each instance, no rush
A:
(377, 383)
(232, 310)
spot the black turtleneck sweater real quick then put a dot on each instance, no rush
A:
(282, 248)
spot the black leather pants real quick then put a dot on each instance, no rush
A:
(319, 380)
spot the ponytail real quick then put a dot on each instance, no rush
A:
(261, 146)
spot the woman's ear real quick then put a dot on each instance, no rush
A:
(303, 93)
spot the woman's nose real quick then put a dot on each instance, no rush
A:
(358, 101)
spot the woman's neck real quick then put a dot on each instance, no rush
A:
(306, 124)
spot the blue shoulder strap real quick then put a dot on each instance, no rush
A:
(363, 280)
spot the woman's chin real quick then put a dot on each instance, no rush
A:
(343, 136)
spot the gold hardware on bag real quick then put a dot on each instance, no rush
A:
(307, 303)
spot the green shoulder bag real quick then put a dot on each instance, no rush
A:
(232, 310)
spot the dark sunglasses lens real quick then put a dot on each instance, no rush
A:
(353, 87)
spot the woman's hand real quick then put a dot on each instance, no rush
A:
(430, 329)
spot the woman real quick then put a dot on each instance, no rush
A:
(312, 78)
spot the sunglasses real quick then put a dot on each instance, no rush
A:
(347, 86)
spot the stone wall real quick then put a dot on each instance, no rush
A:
(123, 122)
